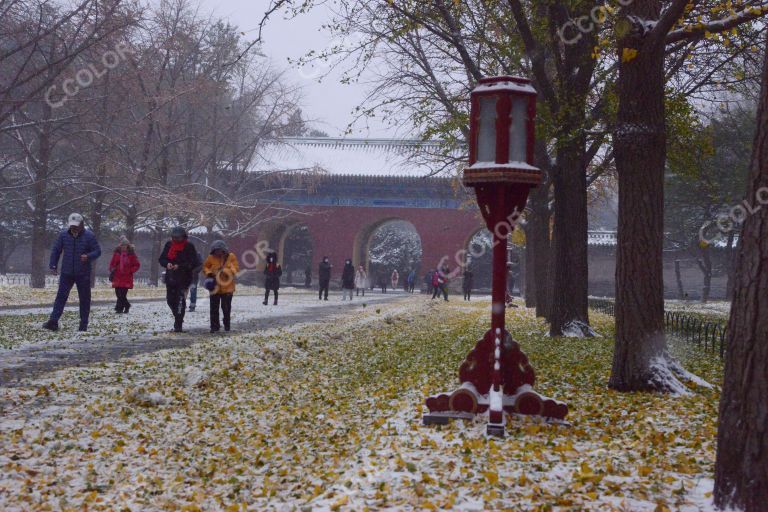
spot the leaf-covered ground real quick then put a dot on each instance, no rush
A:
(327, 416)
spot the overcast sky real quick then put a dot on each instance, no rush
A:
(329, 103)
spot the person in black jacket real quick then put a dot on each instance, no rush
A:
(347, 280)
(467, 284)
(324, 274)
(272, 273)
(179, 258)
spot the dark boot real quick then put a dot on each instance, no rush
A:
(127, 307)
(178, 324)
(51, 325)
(83, 327)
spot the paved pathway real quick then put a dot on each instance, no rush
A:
(40, 358)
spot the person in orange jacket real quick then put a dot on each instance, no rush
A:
(220, 269)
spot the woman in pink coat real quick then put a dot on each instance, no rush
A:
(123, 265)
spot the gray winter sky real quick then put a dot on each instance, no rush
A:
(328, 103)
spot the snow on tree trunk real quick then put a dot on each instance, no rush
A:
(741, 471)
(640, 149)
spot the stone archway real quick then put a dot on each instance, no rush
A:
(386, 245)
(295, 252)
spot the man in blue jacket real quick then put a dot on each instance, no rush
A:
(78, 248)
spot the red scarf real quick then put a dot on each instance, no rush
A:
(176, 248)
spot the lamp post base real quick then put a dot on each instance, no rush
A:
(473, 396)
(495, 430)
(443, 418)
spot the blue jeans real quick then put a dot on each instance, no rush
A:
(66, 282)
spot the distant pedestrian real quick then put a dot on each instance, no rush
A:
(381, 279)
(324, 275)
(308, 276)
(439, 283)
(196, 272)
(347, 280)
(179, 258)
(78, 249)
(361, 280)
(221, 268)
(428, 281)
(395, 279)
(513, 271)
(272, 273)
(467, 283)
(411, 280)
(122, 267)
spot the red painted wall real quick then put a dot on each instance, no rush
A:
(334, 232)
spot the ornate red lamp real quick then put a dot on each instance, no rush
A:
(496, 376)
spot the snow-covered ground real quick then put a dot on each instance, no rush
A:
(720, 310)
(24, 342)
(324, 413)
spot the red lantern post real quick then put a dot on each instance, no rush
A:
(496, 376)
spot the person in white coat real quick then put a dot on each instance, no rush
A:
(361, 280)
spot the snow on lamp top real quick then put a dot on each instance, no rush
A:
(502, 131)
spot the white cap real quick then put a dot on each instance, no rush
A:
(75, 219)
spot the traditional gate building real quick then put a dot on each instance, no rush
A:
(341, 191)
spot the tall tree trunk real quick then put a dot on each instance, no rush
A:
(569, 306)
(3, 256)
(741, 470)
(730, 265)
(39, 244)
(538, 239)
(566, 99)
(705, 265)
(679, 280)
(97, 211)
(640, 354)
(529, 293)
(154, 264)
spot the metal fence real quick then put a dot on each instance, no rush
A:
(53, 281)
(707, 334)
